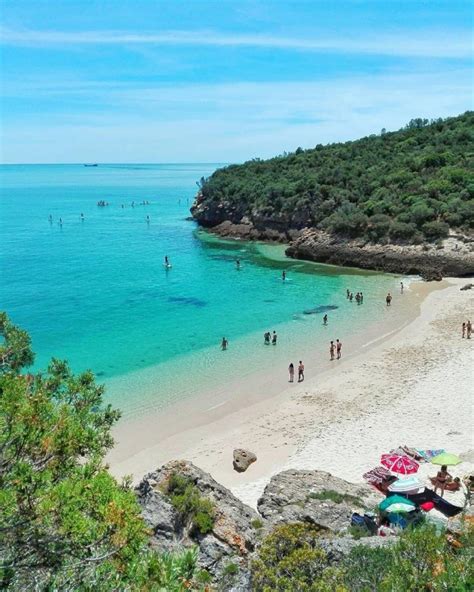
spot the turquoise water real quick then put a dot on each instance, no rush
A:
(95, 291)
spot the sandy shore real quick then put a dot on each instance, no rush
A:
(411, 386)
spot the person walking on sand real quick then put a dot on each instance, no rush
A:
(274, 338)
(332, 350)
(388, 299)
(325, 319)
(469, 329)
(463, 330)
(291, 372)
(224, 344)
(338, 349)
(300, 371)
(401, 287)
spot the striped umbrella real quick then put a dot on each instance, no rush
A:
(398, 463)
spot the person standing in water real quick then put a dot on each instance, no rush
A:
(338, 349)
(361, 298)
(266, 337)
(224, 344)
(325, 319)
(348, 293)
(332, 350)
(300, 371)
(60, 221)
(167, 261)
(388, 299)
(351, 296)
(50, 219)
(401, 287)
(237, 264)
(291, 372)
(82, 217)
(274, 338)
(283, 275)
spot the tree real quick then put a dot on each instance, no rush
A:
(65, 522)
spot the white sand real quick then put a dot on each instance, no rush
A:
(414, 387)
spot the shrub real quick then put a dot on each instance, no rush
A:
(187, 501)
(291, 559)
(402, 230)
(256, 523)
(435, 229)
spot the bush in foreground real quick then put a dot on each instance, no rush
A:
(65, 523)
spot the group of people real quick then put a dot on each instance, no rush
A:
(291, 372)
(359, 297)
(467, 329)
(270, 338)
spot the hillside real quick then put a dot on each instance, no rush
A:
(412, 186)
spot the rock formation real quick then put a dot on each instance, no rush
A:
(243, 459)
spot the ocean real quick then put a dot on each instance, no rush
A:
(94, 289)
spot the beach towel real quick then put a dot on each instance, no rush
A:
(377, 476)
(440, 503)
(427, 455)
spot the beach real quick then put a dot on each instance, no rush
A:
(410, 384)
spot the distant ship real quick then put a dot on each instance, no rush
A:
(91, 165)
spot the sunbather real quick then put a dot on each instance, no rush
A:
(441, 480)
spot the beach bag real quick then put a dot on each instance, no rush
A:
(358, 521)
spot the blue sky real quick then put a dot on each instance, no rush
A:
(222, 81)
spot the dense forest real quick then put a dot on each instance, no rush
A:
(411, 185)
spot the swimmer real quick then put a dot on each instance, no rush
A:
(237, 264)
(148, 219)
(167, 262)
(325, 319)
(60, 221)
(50, 218)
(82, 217)
(224, 344)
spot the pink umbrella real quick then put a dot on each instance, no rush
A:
(398, 463)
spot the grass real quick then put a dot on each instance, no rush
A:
(336, 497)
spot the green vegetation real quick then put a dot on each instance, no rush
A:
(336, 497)
(256, 523)
(187, 501)
(421, 560)
(65, 523)
(408, 186)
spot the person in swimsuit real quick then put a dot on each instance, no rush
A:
(401, 287)
(266, 338)
(237, 264)
(441, 479)
(148, 219)
(224, 344)
(325, 319)
(338, 349)
(300, 371)
(60, 221)
(332, 350)
(361, 298)
(348, 293)
(50, 218)
(167, 261)
(291, 372)
(468, 329)
(274, 338)
(82, 217)
(464, 330)
(388, 299)
(351, 296)
(283, 275)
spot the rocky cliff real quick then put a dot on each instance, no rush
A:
(453, 256)
(228, 548)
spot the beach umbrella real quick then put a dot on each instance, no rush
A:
(398, 463)
(395, 499)
(406, 485)
(397, 508)
(446, 459)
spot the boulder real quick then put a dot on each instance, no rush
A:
(243, 459)
(316, 497)
(232, 538)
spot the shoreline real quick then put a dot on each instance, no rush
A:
(260, 413)
(453, 257)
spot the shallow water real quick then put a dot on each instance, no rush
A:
(96, 292)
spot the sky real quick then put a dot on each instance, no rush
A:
(222, 81)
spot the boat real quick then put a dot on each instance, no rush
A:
(91, 165)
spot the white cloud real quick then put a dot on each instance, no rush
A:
(231, 122)
(418, 43)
